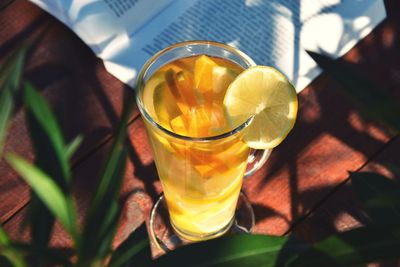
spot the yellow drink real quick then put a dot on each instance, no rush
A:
(201, 176)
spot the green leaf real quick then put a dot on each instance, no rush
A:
(235, 250)
(73, 146)
(101, 221)
(6, 108)
(13, 257)
(4, 240)
(379, 195)
(107, 230)
(9, 252)
(48, 191)
(10, 76)
(52, 159)
(41, 221)
(354, 247)
(47, 138)
(112, 176)
(369, 97)
(11, 70)
(107, 179)
(134, 251)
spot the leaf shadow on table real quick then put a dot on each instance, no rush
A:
(40, 22)
(262, 211)
(333, 133)
(146, 173)
(344, 210)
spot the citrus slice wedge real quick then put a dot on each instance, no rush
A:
(203, 68)
(266, 94)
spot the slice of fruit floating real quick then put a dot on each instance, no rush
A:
(203, 73)
(266, 94)
(165, 105)
(222, 77)
(149, 92)
(185, 84)
(171, 80)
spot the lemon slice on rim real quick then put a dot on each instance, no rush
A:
(266, 94)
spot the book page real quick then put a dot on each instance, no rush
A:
(274, 33)
(102, 24)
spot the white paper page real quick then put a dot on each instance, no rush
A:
(274, 33)
(103, 24)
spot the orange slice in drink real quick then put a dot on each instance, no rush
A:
(165, 105)
(185, 84)
(222, 77)
(203, 68)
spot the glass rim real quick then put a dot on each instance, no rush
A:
(148, 64)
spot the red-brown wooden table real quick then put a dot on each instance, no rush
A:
(303, 188)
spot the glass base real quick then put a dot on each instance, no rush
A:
(166, 238)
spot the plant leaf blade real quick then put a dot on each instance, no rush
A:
(11, 71)
(379, 196)
(235, 250)
(73, 146)
(6, 107)
(4, 240)
(47, 190)
(354, 247)
(102, 219)
(48, 145)
(134, 251)
(9, 252)
(47, 137)
(10, 77)
(106, 196)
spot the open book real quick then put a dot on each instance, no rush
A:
(126, 33)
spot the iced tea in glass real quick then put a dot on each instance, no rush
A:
(199, 155)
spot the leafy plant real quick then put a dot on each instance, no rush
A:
(50, 180)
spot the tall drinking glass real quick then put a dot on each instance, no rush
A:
(201, 177)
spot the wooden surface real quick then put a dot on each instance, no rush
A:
(304, 186)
